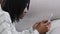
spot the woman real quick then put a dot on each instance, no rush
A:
(16, 9)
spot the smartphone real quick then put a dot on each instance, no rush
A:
(50, 17)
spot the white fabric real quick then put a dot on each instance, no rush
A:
(6, 27)
(55, 27)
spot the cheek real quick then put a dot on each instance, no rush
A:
(25, 11)
(23, 15)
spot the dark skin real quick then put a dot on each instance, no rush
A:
(42, 27)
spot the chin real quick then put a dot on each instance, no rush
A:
(21, 18)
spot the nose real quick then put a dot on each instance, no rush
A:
(25, 10)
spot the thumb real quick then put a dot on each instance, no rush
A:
(36, 25)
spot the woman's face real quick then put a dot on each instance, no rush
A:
(24, 12)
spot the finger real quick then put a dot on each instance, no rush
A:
(48, 23)
(36, 25)
(44, 21)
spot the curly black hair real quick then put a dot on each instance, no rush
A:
(14, 7)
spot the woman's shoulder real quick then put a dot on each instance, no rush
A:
(3, 13)
(5, 16)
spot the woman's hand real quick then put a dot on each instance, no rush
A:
(42, 27)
